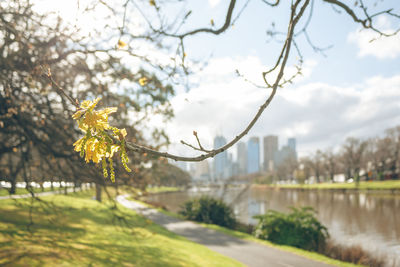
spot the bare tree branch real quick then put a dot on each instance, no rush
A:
(294, 19)
(367, 22)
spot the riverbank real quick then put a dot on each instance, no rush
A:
(245, 250)
(75, 230)
(248, 237)
(163, 189)
(391, 186)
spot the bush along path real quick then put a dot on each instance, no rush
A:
(249, 253)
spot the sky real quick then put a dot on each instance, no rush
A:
(351, 90)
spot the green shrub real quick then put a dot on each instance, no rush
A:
(209, 210)
(300, 228)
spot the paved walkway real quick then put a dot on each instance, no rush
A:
(246, 252)
(40, 194)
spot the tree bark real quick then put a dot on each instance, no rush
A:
(13, 187)
(98, 192)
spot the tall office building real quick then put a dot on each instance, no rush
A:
(270, 148)
(292, 146)
(202, 171)
(220, 160)
(286, 152)
(242, 158)
(253, 155)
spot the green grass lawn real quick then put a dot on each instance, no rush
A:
(370, 185)
(162, 189)
(75, 230)
(23, 191)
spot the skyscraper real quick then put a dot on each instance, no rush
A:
(286, 152)
(242, 158)
(220, 160)
(292, 146)
(253, 155)
(202, 171)
(270, 148)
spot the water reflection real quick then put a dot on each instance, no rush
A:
(366, 219)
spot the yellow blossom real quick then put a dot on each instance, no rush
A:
(97, 145)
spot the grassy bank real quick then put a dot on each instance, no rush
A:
(23, 191)
(75, 230)
(245, 236)
(162, 189)
(370, 185)
(301, 252)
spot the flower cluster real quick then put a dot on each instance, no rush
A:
(97, 144)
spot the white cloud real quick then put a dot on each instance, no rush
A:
(370, 44)
(319, 115)
(213, 3)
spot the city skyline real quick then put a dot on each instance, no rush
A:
(251, 157)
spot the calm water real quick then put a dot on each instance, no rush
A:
(366, 219)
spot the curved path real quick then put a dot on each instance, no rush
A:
(40, 194)
(246, 252)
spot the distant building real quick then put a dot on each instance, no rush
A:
(292, 145)
(202, 171)
(235, 169)
(242, 158)
(253, 155)
(228, 167)
(270, 148)
(286, 152)
(220, 160)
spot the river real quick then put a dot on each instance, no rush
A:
(370, 220)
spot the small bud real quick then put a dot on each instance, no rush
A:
(143, 81)
(121, 44)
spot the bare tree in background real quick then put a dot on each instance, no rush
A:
(317, 165)
(394, 135)
(353, 152)
(330, 164)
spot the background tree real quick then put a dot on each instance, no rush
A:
(330, 164)
(352, 155)
(306, 165)
(317, 165)
(35, 118)
(394, 135)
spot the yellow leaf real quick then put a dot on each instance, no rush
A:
(78, 144)
(123, 132)
(121, 44)
(114, 148)
(87, 104)
(108, 110)
(77, 115)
